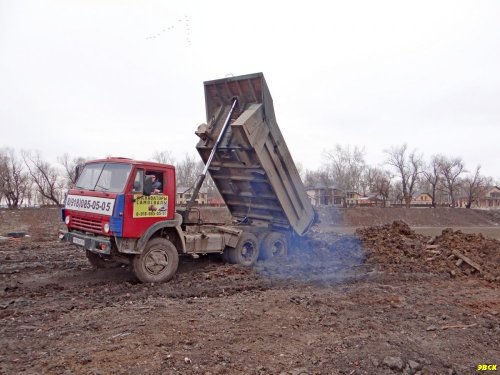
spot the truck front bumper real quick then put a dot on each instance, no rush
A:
(96, 244)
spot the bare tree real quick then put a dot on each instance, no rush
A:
(164, 157)
(317, 177)
(368, 179)
(30, 194)
(432, 176)
(381, 184)
(188, 169)
(408, 167)
(345, 166)
(13, 178)
(450, 170)
(377, 180)
(70, 167)
(44, 176)
(475, 186)
(397, 192)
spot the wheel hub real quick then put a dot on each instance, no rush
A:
(247, 251)
(277, 248)
(156, 262)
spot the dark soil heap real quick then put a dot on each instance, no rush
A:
(484, 252)
(398, 248)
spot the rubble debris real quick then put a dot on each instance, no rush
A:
(467, 260)
(396, 246)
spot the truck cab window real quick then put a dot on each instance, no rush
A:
(138, 182)
(108, 177)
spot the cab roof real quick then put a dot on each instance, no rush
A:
(122, 160)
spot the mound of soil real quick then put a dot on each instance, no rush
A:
(397, 247)
(484, 252)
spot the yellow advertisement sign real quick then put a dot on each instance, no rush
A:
(150, 206)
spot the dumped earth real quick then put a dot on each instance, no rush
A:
(395, 245)
(384, 301)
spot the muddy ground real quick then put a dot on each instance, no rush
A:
(384, 301)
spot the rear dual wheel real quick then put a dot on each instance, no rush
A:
(246, 251)
(274, 245)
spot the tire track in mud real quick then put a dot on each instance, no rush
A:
(318, 261)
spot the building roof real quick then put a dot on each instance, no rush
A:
(372, 196)
(420, 192)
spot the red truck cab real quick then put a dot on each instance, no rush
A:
(112, 207)
(108, 198)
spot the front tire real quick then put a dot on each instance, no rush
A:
(158, 262)
(246, 251)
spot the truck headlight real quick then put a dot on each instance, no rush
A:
(67, 219)
(106, 228)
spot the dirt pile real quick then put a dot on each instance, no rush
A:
(398, 248)
(470, 253)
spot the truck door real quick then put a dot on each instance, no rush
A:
(142, 211)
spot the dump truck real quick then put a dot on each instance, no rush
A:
(123, 211)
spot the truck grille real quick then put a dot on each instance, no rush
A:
(86, 223)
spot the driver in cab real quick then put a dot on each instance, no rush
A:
(156, 185)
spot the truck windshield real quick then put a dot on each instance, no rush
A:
(109, 177)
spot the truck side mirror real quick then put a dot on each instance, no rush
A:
(78, 171)
(148, 186)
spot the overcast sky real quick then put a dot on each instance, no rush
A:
(125, 78)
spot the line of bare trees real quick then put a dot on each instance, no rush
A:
(403, 173)
(26, 179)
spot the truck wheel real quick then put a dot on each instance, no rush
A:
(246, 251)
(97, 261)
(158, 262)
(274, 245)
